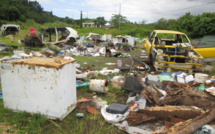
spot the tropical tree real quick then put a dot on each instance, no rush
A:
(117, 20)
(99, 21)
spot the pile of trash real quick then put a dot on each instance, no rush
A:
(165, 103)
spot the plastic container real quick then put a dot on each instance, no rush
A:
(99, 85)
(33, 31)
(119, 63)
(200, 77)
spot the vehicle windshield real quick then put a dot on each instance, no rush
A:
(170, 39)
(207, 41)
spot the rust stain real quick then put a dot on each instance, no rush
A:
(56, 63)
(71, 106)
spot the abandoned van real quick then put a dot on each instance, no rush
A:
(9, 29)
(169, 50)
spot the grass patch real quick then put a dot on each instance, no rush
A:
(23, 122)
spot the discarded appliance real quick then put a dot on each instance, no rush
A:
(99, 85)
(9, 29)
(40, 85)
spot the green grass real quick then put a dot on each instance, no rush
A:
(23, 122)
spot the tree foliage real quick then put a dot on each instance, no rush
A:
(117, 20)
(100, 21)
(194, 26)
(21, 10)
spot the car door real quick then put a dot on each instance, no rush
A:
(206, 47)
(49, 35)
(148, 42)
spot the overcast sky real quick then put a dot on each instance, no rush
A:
(134, 10)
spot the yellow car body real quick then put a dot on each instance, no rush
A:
(169, 50)
(206, 48)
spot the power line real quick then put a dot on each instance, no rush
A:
(191, 7)
(177, 9)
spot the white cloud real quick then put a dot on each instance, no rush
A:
(134, 10)
(44, 1)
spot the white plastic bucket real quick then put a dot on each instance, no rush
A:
(200, 77)
(119, 63)
(99, 85)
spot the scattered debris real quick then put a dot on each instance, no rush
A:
(98, 102)
(191, 125)
(118, 81)
(92, 109)
(79, 115)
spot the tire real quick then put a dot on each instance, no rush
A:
(152, 59)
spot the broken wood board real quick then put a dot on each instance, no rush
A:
(167, 112)
(192, 125)
(134, 118)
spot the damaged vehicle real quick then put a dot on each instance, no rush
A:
(206, 47)
(169, 50)
(9, 29)
(53, 35)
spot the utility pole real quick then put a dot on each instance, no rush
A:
(119, 13)
(81, 21)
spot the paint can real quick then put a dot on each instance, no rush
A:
(99, 85)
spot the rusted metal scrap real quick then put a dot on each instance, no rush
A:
(192, 125)
(166, 112)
